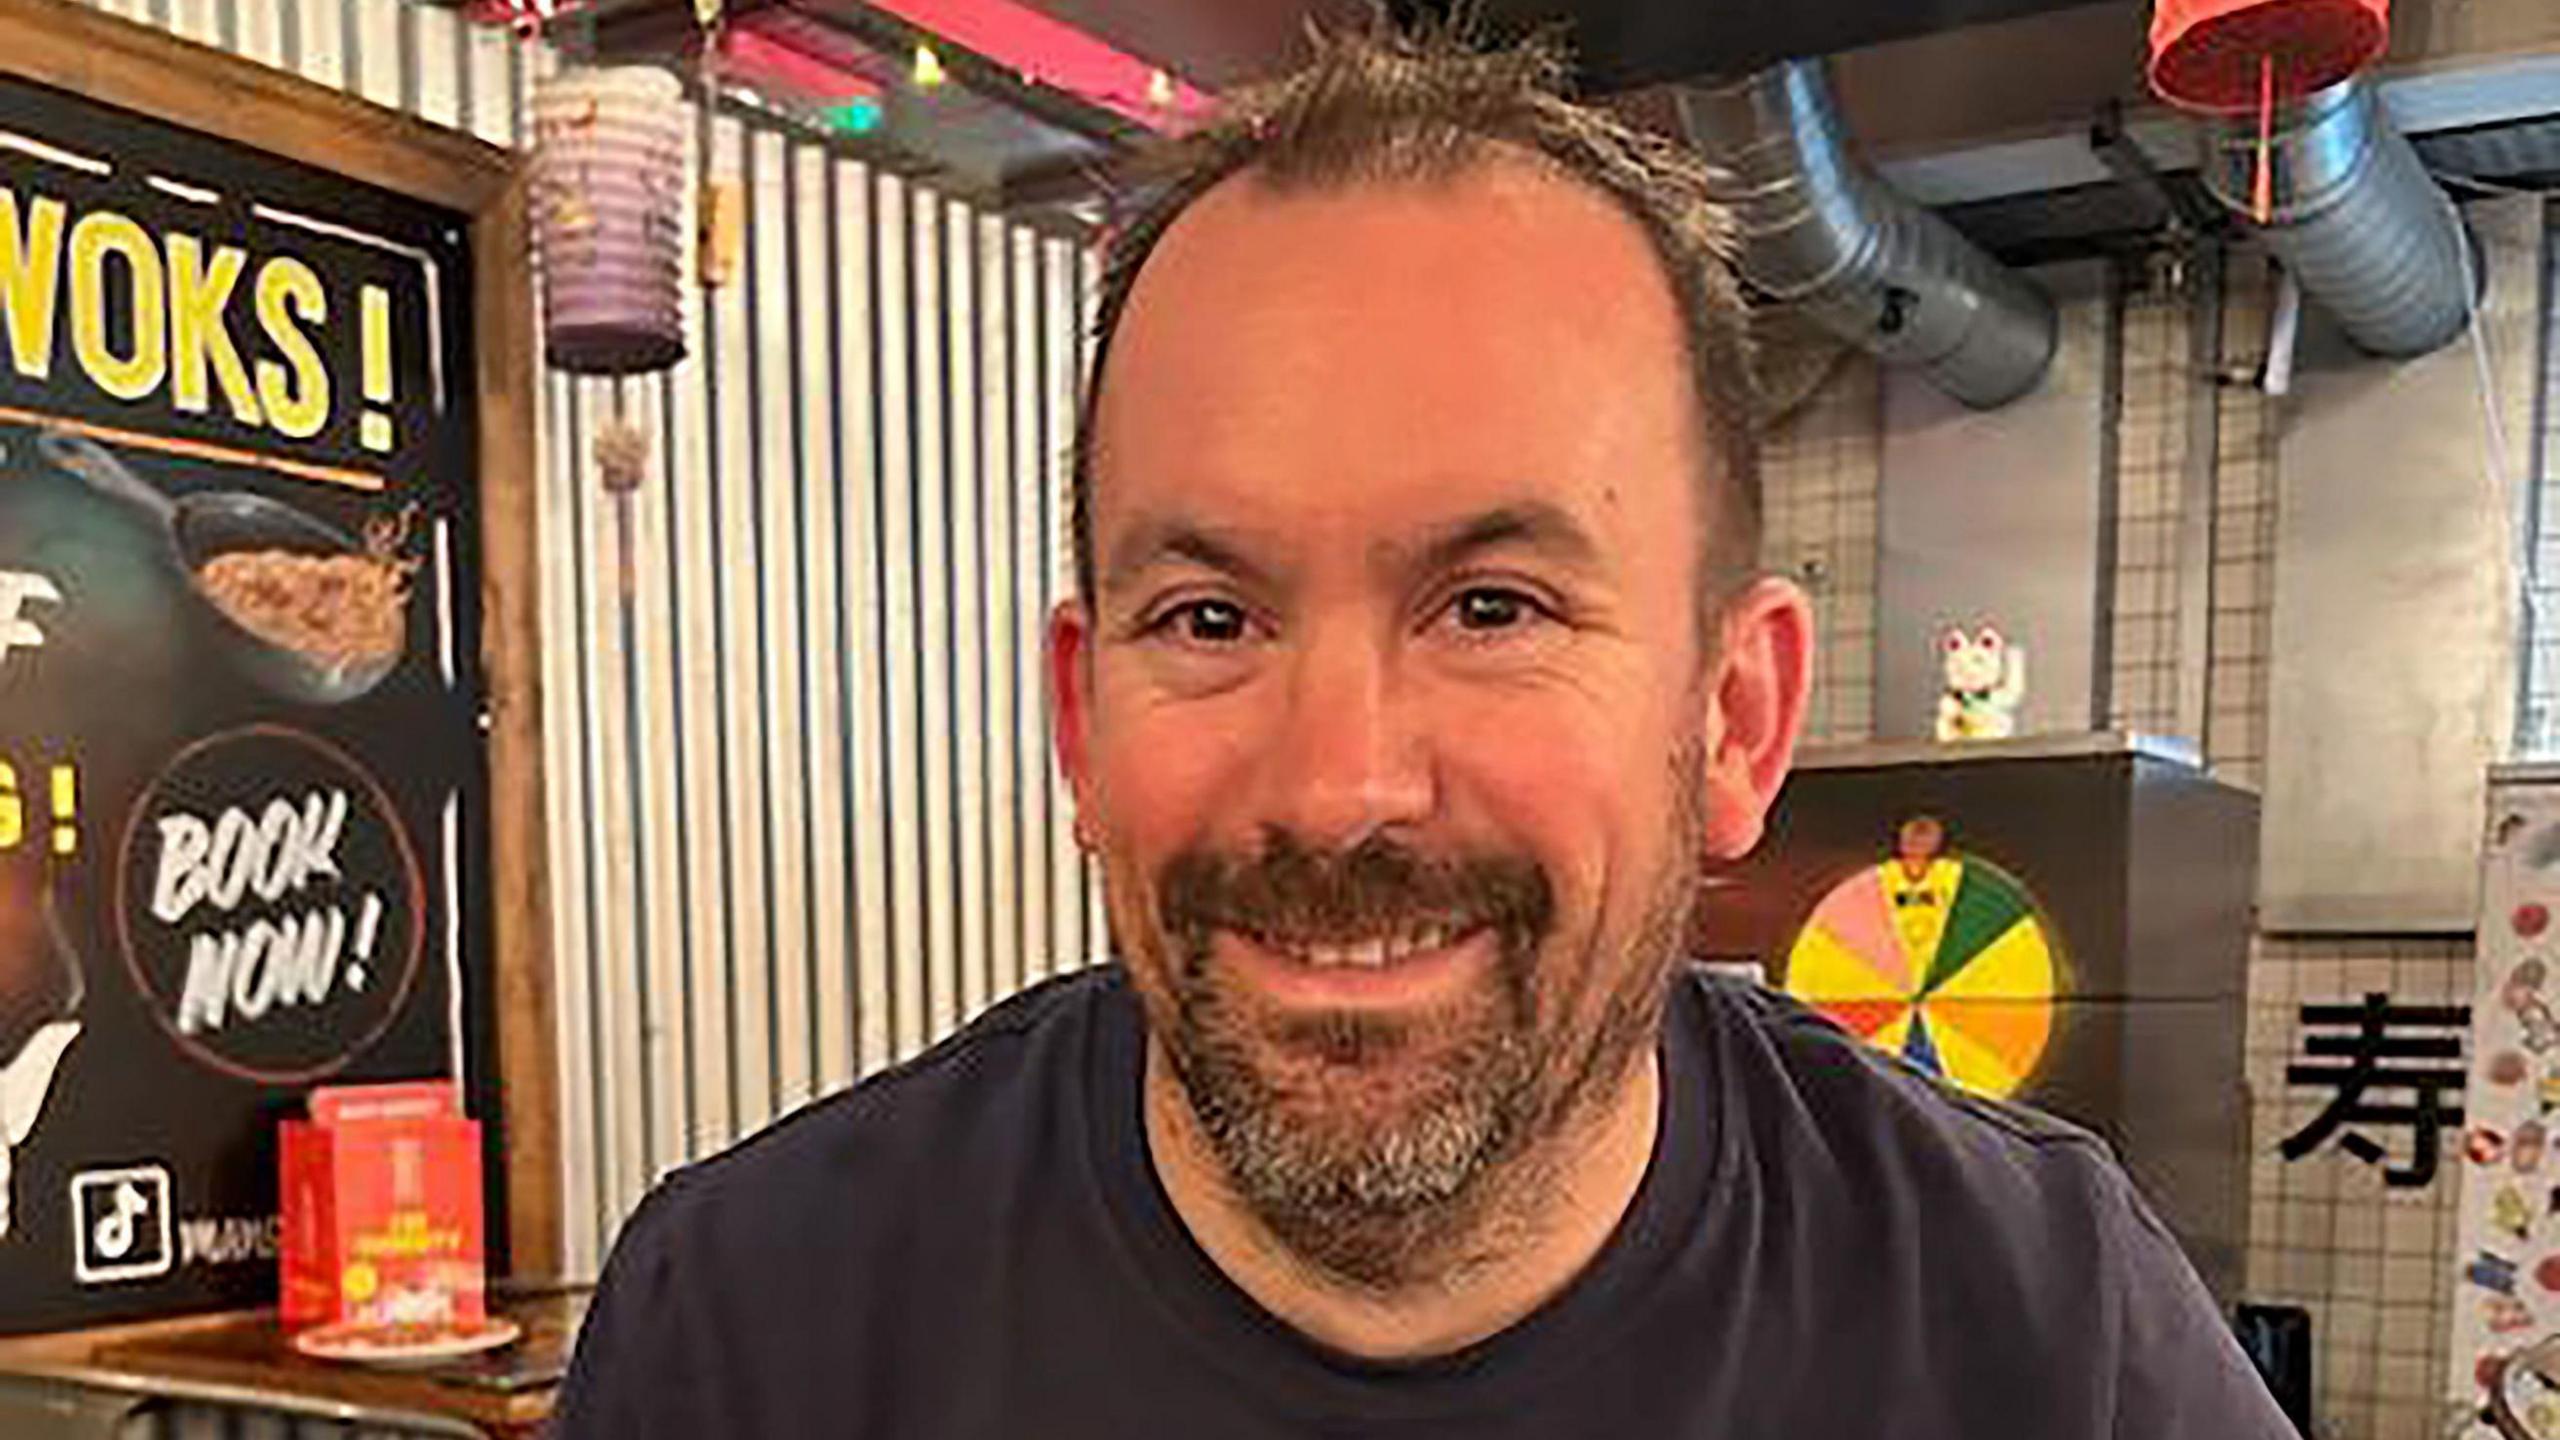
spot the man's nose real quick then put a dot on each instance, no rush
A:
(1350, 756)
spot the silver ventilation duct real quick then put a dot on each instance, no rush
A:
(1821, 233)
(2356, 218)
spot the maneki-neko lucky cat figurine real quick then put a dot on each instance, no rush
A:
(1986, 677)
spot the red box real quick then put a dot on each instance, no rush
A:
(381, 1202)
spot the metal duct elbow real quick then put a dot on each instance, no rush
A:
(1820, 232)
(2357, 219)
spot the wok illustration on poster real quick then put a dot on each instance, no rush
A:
(241, 776)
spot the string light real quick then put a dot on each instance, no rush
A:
(858, 116)
(928, 72)
(1159, 89)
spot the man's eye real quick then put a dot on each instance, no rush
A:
(1205, 622)
(1486, 607)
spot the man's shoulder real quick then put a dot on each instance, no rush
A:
(947, 1123)
(1891, 1201)
(1846, 1162)
(1811, 1094)
(792, 1276)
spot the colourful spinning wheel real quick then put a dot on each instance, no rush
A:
(1947, 963)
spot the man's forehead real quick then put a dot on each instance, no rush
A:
(1382, 357)
(1503, 203)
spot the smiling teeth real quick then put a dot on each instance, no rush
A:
(1372, 954)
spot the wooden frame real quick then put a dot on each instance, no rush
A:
(116, 62)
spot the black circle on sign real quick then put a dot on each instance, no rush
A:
(337, 1012)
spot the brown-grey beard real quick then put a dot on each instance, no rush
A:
(1380, 1172)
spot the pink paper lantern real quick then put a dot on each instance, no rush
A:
(609, 186)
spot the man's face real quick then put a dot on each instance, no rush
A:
(1391, 719)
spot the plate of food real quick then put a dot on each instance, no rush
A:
(407, 1345)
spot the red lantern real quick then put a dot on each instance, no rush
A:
(2220, 55)
(2231, 57)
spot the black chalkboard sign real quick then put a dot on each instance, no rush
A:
(243, 829)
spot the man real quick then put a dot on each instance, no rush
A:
(1417, 668)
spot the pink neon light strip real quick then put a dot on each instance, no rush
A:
(1052, 53)
(747, 50)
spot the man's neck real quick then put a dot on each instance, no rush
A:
(1534, 1238)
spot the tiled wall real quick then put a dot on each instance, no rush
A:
(2244, 536)
(1818, 501)
(2370, 1262)
(2151, 458)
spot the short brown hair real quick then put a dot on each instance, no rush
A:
(1379, 104)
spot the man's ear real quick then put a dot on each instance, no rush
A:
(1755, 710)
(1071, 701)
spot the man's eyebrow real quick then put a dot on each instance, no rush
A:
(1539, 525)
(1154, 542)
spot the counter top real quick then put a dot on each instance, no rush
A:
(240, 1359)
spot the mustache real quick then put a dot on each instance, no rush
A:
(1379, 886)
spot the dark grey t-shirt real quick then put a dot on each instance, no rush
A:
(1827, 1243)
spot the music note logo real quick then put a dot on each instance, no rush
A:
(113, 1236)
(120, 1224)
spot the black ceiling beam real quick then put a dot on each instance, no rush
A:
(2183, 194)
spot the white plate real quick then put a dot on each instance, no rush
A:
(404, 1345)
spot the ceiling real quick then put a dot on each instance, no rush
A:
(978, 133)
(2001, 143)
(1623, 44)
(1618, 44)
(1216, 44)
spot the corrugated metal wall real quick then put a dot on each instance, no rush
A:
(804, 816)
